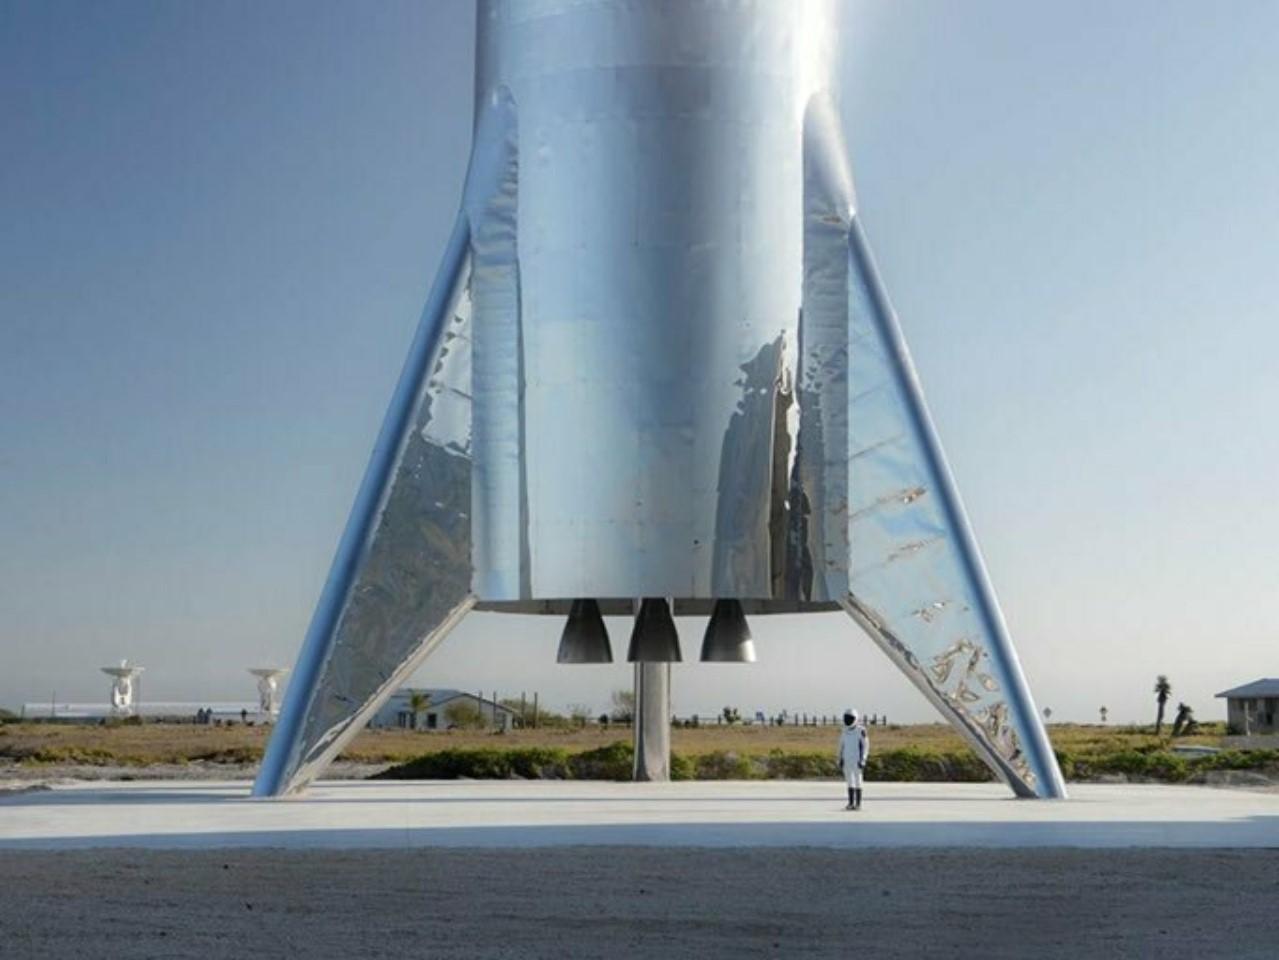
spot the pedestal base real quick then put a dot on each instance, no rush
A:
(652, 722)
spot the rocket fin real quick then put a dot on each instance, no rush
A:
(402, 576)
(917, 584)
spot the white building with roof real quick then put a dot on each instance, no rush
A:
(1253, 708)
(398, 711)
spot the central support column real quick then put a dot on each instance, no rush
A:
(652, 722)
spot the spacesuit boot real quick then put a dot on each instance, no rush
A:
(852, 799)
(857, 798)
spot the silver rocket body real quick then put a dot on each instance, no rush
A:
(657, 361)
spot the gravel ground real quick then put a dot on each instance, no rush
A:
(639, 902)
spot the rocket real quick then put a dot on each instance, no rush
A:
(658, 374)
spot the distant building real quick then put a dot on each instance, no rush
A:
(1252, 708)
(397, 712)
(166, 711)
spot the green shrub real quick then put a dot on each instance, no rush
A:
(802, 766)
(682, 768)
(780, 765)
(1236, 760)
(926, 766)
(1147, 764)
(722, 765)
(616, 761)
(531, 763)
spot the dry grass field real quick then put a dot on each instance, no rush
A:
(162, 743)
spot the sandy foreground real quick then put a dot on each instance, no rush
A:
(621, 902)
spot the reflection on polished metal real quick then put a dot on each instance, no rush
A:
(654, 638)
(658, 255)
(728, 637)
(585, 638)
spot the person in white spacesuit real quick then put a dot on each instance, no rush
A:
(854, 749)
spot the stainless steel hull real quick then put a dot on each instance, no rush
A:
(659, 363)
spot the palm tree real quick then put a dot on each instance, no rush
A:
(418, 702)
(1191, 725)
(1163, 690)
(1104, 713)
(1183, 724)
(1179, 721)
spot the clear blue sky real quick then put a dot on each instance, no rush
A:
(220, 221)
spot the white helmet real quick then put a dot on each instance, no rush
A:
(849, 712)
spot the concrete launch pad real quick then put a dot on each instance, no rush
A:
(519, 814)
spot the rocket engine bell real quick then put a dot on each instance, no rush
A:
(657, 362)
